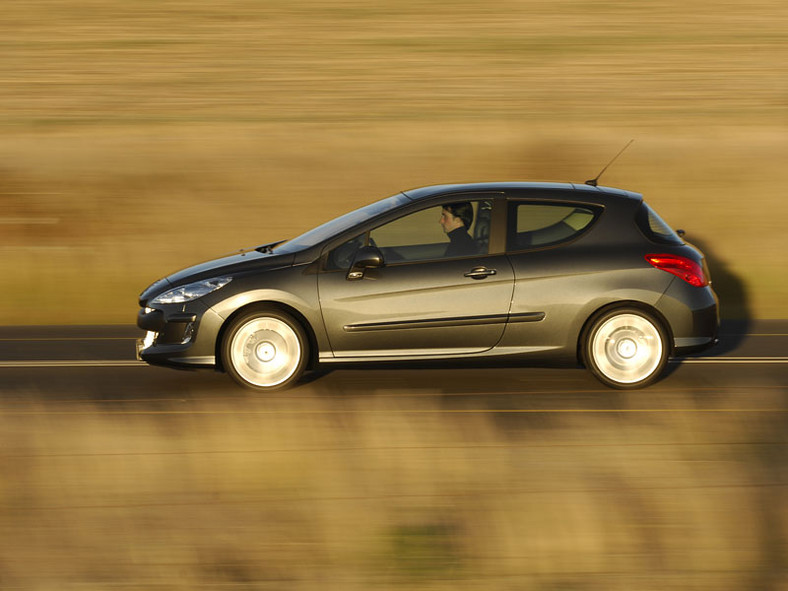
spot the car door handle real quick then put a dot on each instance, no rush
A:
(480, 273)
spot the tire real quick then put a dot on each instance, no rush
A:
(626, 348)
(265, 350)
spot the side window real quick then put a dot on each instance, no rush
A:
(452, 230)
(534, 225)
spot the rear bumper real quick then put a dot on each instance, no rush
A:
(685, 346)
(693, 316)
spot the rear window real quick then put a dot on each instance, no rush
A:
(654, 227)
(536, 225)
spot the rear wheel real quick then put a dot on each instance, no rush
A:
(265, 350)
(626, 348)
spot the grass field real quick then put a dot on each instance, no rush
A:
(143, 137)
(389, 492)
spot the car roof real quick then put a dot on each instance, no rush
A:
(434, 190)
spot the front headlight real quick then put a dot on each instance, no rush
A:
(192, 291)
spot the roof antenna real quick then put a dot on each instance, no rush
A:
(594, 180)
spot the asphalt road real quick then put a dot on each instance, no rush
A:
(96, 363)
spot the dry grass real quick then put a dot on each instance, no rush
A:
(388, 493)
(139, 138)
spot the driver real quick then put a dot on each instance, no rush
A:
(455, 220)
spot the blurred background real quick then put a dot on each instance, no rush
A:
(373, 487)
(143, 137)
(139, 138)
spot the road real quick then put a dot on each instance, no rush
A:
(96, 363)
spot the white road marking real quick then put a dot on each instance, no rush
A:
(52, 339)
(74, 363)
(712, 360)
(133, 363)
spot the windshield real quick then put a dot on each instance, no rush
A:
(340, 224)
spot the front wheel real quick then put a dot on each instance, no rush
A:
(265, 350)
(626, 348)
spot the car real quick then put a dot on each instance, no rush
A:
(522, 271)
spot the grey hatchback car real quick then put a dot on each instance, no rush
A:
(540, 271)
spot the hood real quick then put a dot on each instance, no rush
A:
(229, 265)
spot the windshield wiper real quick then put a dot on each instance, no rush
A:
(269, 248)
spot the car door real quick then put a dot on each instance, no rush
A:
(556, 271)
(421, 302)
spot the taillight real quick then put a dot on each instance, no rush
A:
(687, 269)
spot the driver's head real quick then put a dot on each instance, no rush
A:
(456, 215)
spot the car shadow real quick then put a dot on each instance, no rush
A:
(734, 299)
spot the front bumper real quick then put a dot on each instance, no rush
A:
(179, 336)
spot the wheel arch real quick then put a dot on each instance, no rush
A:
(621, 304)
(262, 306)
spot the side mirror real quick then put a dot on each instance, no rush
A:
(367, 257)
